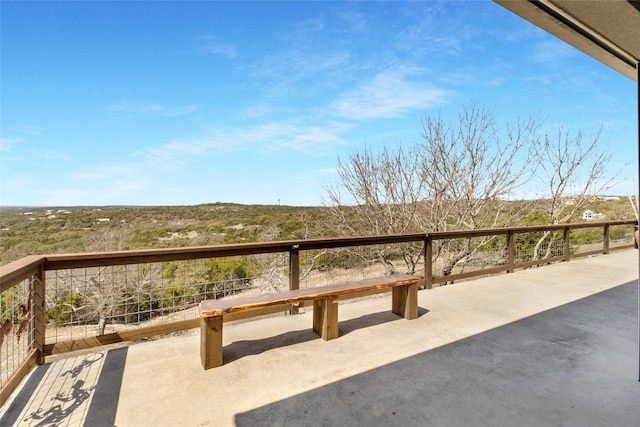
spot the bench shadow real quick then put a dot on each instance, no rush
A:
(242, 348)
(364, 321)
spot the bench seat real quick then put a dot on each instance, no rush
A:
(325, 308)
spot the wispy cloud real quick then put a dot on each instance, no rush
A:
(297, 70)
(390, 93)
(28, 130)
(6, 144)
(103, 172)
(180, 111)
(103, 183)
(258, 110)
(354, 20)
(267, 137)
(102, 193)
(551, 52)
(226, 50)
(88, 184)
(212, 45)
(136, 107)
(307, 56)
(51, 154)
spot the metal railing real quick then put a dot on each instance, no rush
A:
(65, 302)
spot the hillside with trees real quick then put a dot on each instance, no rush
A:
(30, 231)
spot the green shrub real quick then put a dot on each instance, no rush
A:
(61, 309)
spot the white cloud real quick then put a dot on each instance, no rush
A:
(226, 50)
(314, 140)
(137, 107)
(551, 51)
(51, 154)
(258, 110)
(298, 70)
(104, 172)
(6, 144)
(100, 184)
(95, 185)
(390, 93)
(210, 44)
(29, 130)
(180, 111)
(354, 20)
(268, 137)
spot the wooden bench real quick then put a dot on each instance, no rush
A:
(404, 302)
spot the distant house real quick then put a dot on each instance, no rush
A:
(590, 215)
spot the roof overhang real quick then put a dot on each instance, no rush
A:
(607, 30)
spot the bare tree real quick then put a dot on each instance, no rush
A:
(466, 175)
(110, 239)
(379, 194)
(574, 169)
(382, 188)
(460, 177)
(104, 292)
(472, 169)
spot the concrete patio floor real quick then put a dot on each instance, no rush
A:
(552, 346)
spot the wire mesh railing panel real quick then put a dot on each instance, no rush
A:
(586, 240)
(86, 302)
(268, 273)
(327, 266)
(620, 235)
(469, 254)
(537, 245)
(83, 302)
(16, 329)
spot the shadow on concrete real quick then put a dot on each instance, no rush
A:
(18, 405)
(104, 405)
(242, 348)
(574, 365)
(85, 394)
(372, 319)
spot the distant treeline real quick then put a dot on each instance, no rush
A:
(40, 230)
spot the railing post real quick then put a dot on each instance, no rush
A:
(428, 262)
(37, 327)
(566, 250)
(294, 272)
(511, 251)
(605, 239)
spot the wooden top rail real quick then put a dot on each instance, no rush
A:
(210, 308)
(461, 234)
(17, 271)
(95, 259)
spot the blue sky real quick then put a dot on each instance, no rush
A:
(180, 103)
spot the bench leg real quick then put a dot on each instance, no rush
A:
(211, 341)
(404, 301)
(325, 317)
